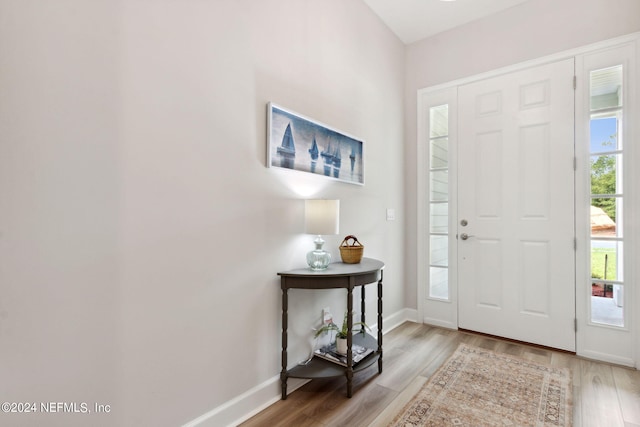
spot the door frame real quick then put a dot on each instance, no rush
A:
(619, 345)
(444, 313)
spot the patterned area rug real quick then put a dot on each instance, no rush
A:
(477, 387)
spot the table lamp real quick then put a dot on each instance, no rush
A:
(320, 217)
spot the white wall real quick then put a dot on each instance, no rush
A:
(60, 205)
(527, 31)
(140, 232)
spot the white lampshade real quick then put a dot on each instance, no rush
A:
(321, 216)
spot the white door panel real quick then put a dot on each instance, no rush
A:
(516, 183)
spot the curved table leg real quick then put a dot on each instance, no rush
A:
(380, 322)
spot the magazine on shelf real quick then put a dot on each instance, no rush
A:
(329, 353)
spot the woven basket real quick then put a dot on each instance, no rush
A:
(351, 252)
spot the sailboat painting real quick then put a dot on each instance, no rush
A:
(301, 144)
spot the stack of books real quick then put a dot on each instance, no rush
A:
(329, 353)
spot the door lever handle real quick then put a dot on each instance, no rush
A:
(465, 236)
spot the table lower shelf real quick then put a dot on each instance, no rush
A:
(321, 368)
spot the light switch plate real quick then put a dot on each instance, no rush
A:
(391, 214)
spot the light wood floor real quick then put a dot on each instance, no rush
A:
(604, 395)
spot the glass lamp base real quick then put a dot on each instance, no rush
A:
(318, 259)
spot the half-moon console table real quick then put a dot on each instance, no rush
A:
(337, 275)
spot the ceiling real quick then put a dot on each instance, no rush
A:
(413, 20)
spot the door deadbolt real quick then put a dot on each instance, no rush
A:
(464, 223)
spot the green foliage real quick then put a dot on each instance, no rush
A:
(603, 180)
(341, 332)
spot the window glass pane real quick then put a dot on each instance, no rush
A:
(606, 260)
(603, 134)
(440, 250)
(439, 186)
(607, 304)
(439, 283)
(439, 121)
(439, 153)
(605, 217)
(439, 196)
(604, 174)
(606, 88)
(606, 212)
(439, 217)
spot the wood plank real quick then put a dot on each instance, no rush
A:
(627, 382)
(361, 409)
(279, 414)
(599, 399)
(577, 406)
(409, 363)
(537, 355)
(389, 412)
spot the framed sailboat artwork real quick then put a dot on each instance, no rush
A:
(301, 144)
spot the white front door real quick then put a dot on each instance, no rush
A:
(516, 197)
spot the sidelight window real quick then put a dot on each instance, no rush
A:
(607, 197)
(439, 202)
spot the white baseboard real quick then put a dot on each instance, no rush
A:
(245, 406)
(249, 403)
(439, 322)
(398, 318)
(603, 357)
